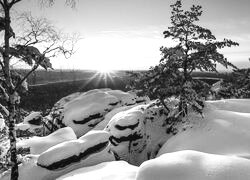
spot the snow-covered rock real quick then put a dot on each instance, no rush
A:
(38, 145)
(138, 133)
(32, 122)
(193, 165)
(34, 118)
(91, 149)
(115, 170)
(221, 131)
(83, 111)
(109, 115)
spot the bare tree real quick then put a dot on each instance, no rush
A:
(35, 47)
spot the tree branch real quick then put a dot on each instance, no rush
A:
(2, 89)
(2, 4)
(26, 76)
(14, 2)
(4, 111)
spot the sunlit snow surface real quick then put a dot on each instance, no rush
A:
(221, 131)
(38, 145)
(193, 165)
(115, 170)
(215, 147)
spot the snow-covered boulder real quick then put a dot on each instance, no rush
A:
(34, 118)
(83, 111)
(31, 123)
(38, 145)
(138, 133)
(193, 165)
(90, 149)
(115, 170)
(220, 131)
(109, 115)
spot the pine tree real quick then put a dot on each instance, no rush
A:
(196, 49)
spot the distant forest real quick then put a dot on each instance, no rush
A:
(50, 76)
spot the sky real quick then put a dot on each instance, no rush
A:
(127, 34)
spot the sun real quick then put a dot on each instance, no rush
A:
(104, 70)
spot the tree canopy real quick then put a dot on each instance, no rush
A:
(196, 49)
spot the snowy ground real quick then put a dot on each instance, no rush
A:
(106, 126)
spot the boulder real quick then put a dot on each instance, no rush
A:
(83, 111)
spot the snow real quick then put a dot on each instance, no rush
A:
(38, 145)
(70, 152)
(83, 111)
(109, 115)
(34, 115)
(2, 123)
(66, 99)
(111, 124)
(22, 126)
(138, 133)
(31, 122)
(80, 113)
(116, 170)
(193, 165)
(220, 132)
(39, 166)
(236, 105)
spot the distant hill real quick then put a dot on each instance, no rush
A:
(47, 87)
(43, 96)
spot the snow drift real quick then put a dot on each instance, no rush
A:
(221, 131)
(193, 165)
(115, 170)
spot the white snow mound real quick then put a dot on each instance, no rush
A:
(115, 170)
(74, 151)
(236, 105)
(220, 131)
(193, 165)
(38, 145)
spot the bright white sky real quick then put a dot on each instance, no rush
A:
(127, 34)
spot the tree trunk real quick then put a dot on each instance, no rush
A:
(12, 94)
(12, 136)
(183, 105)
